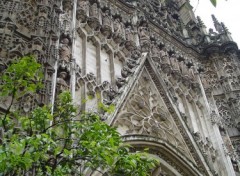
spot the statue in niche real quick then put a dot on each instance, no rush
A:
(106, 18)
(106, 24)
(155, 50)
(118, 30)
(61, 81)
(164, 56)
(82, 9)
(190, 72)
(65, 52)
(83, 4)
(129, 33)
(174, 62)
(184, 68)
(143, 32)
(27, 104)
(93, 12)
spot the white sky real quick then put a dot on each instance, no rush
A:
(227, 12)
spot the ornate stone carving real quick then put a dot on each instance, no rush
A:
(130, 43)
(62, 82)
(106, 28)
(224, 112)
(109, 95)
(93, 20)
(163, 29)
(65, 52)
(145, 113)
(126, 71)
(120, 82)
(165, 62)
(82, 10)
(143, 33)
(118, 29)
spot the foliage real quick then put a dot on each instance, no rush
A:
(214, 2)
(59, 143)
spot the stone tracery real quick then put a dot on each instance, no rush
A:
(146, 114)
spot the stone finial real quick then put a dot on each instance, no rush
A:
(226, 32)
(224, 27)
(215, 20)
(217, 25)
(200, 22)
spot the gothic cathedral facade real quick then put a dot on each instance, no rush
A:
(175, 86)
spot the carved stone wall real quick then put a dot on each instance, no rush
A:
(145, 113)
(168, 77)
(30, 27)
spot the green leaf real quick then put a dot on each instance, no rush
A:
(31, 140)
(214, 2)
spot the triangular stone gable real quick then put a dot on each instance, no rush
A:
(145, 113)
(148, 110)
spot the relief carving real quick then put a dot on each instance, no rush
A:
(145, 113)
(93, 20)
(106, 28)
(118, 29)
(82, 10)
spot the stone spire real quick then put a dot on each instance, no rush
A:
(217, 25)
(226, 32)
(201, 25)
(200, 22)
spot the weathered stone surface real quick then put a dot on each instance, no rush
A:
(175, 86)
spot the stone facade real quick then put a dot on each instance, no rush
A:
(175, 86)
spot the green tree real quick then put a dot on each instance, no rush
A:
(61, 143)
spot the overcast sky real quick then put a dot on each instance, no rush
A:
(227, 12)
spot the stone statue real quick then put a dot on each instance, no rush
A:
(129, 33)
(184, 68)
(61, 81)
(118, 30)
(155, 51)
(93, 10)
(106, 18)
(65, 52)
(83, 4)
(174, 62)
(164, 56)
(143, 32)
